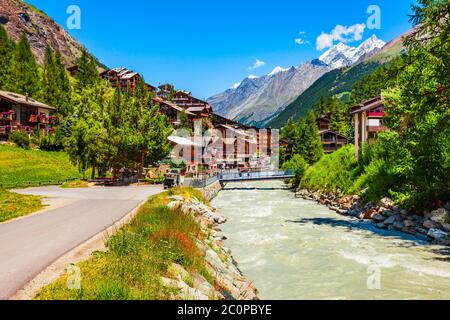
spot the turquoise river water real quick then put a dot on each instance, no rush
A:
(296, 249)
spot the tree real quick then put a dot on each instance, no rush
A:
(308, 143)
(87, 74)
(63, 88)
(299, 166)
(418, 110)
(25, 71)
(7, 48)
(48, 78)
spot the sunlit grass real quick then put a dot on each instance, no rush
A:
(75, 184)
(23, 168)
(138, 255)
(13, 205)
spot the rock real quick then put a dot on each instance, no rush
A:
(396, 209)
(382, 209)
(422, 237)
(429, 224)
(388, 213)
(404, 212)
(392, 219)
(381, 225)
(421, 231)
(440, 215)
(378, 218)
(399, 225)
(437, 234)
(368, 214)
(387, 203)
(446, 226)
(409, 223)
(410, 230)
(342, 212)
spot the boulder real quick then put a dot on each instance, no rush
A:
(392, 219)
(437, 234)
(381, 225)
(387, 203)
(342, 212)
(369, 213)
(439, 216)
(429, 224)
(378, 217)
(409, 223)
(399, 225)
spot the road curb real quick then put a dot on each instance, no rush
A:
(80, 253)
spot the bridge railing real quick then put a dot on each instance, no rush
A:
(256, 175)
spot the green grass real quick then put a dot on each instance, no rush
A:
(138, 255)
(13, 205)
(22, 168)
(337, 171)
(75, 184)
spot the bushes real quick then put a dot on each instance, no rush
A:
(21, 139)
(51, 142)
(299, 166)
(333, 173)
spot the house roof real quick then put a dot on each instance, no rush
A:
(331, 131)
(368, 105)
(172, 105)
(196, 109)
(21, 99)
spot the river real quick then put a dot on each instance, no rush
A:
(296, 249)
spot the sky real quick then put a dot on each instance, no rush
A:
(206, 46)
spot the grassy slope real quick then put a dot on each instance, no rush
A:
(333, 83)
(337, 171)
(139, 255)
(21, 168)
(13, 205)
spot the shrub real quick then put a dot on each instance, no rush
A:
(21, 139)
(51, 142)
(299, 166)
(335, 172)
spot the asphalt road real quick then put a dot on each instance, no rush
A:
(29, 245)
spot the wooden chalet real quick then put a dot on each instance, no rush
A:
(122, 78)
(368, 119)
(332, 141)
(19, 112)
(172, 111)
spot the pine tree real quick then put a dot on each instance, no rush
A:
(7, 47)
(87, 75)
(63, 85)
(25, 71)
(49, 82)
(308, 143)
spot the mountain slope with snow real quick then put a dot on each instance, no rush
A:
(257, 100)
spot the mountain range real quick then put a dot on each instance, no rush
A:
(258, 100)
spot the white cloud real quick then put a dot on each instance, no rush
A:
(302, 39)
(342, 34)
(258, 64)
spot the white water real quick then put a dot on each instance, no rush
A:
(296, 249)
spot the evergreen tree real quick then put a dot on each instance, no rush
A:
(25, 71)
(63, 84)
(87, 74)
(308, 143)
(49, 81)
(7, 47)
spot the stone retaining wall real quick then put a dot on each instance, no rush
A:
(229, 283)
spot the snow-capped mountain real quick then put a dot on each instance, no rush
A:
(256, 100)
(342, 55)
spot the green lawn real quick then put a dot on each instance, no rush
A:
(13, 205)
(139, 255)
(22, 168)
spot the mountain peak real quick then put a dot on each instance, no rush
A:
(342, 55)
(277, 70)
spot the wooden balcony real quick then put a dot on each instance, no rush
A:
(377, 129)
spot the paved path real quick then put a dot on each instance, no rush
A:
(29, 245)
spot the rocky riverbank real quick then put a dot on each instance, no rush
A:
(429, 226)
(229, 283)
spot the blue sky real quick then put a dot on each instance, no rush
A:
(206, 46)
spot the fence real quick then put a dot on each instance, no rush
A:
(203, 181)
